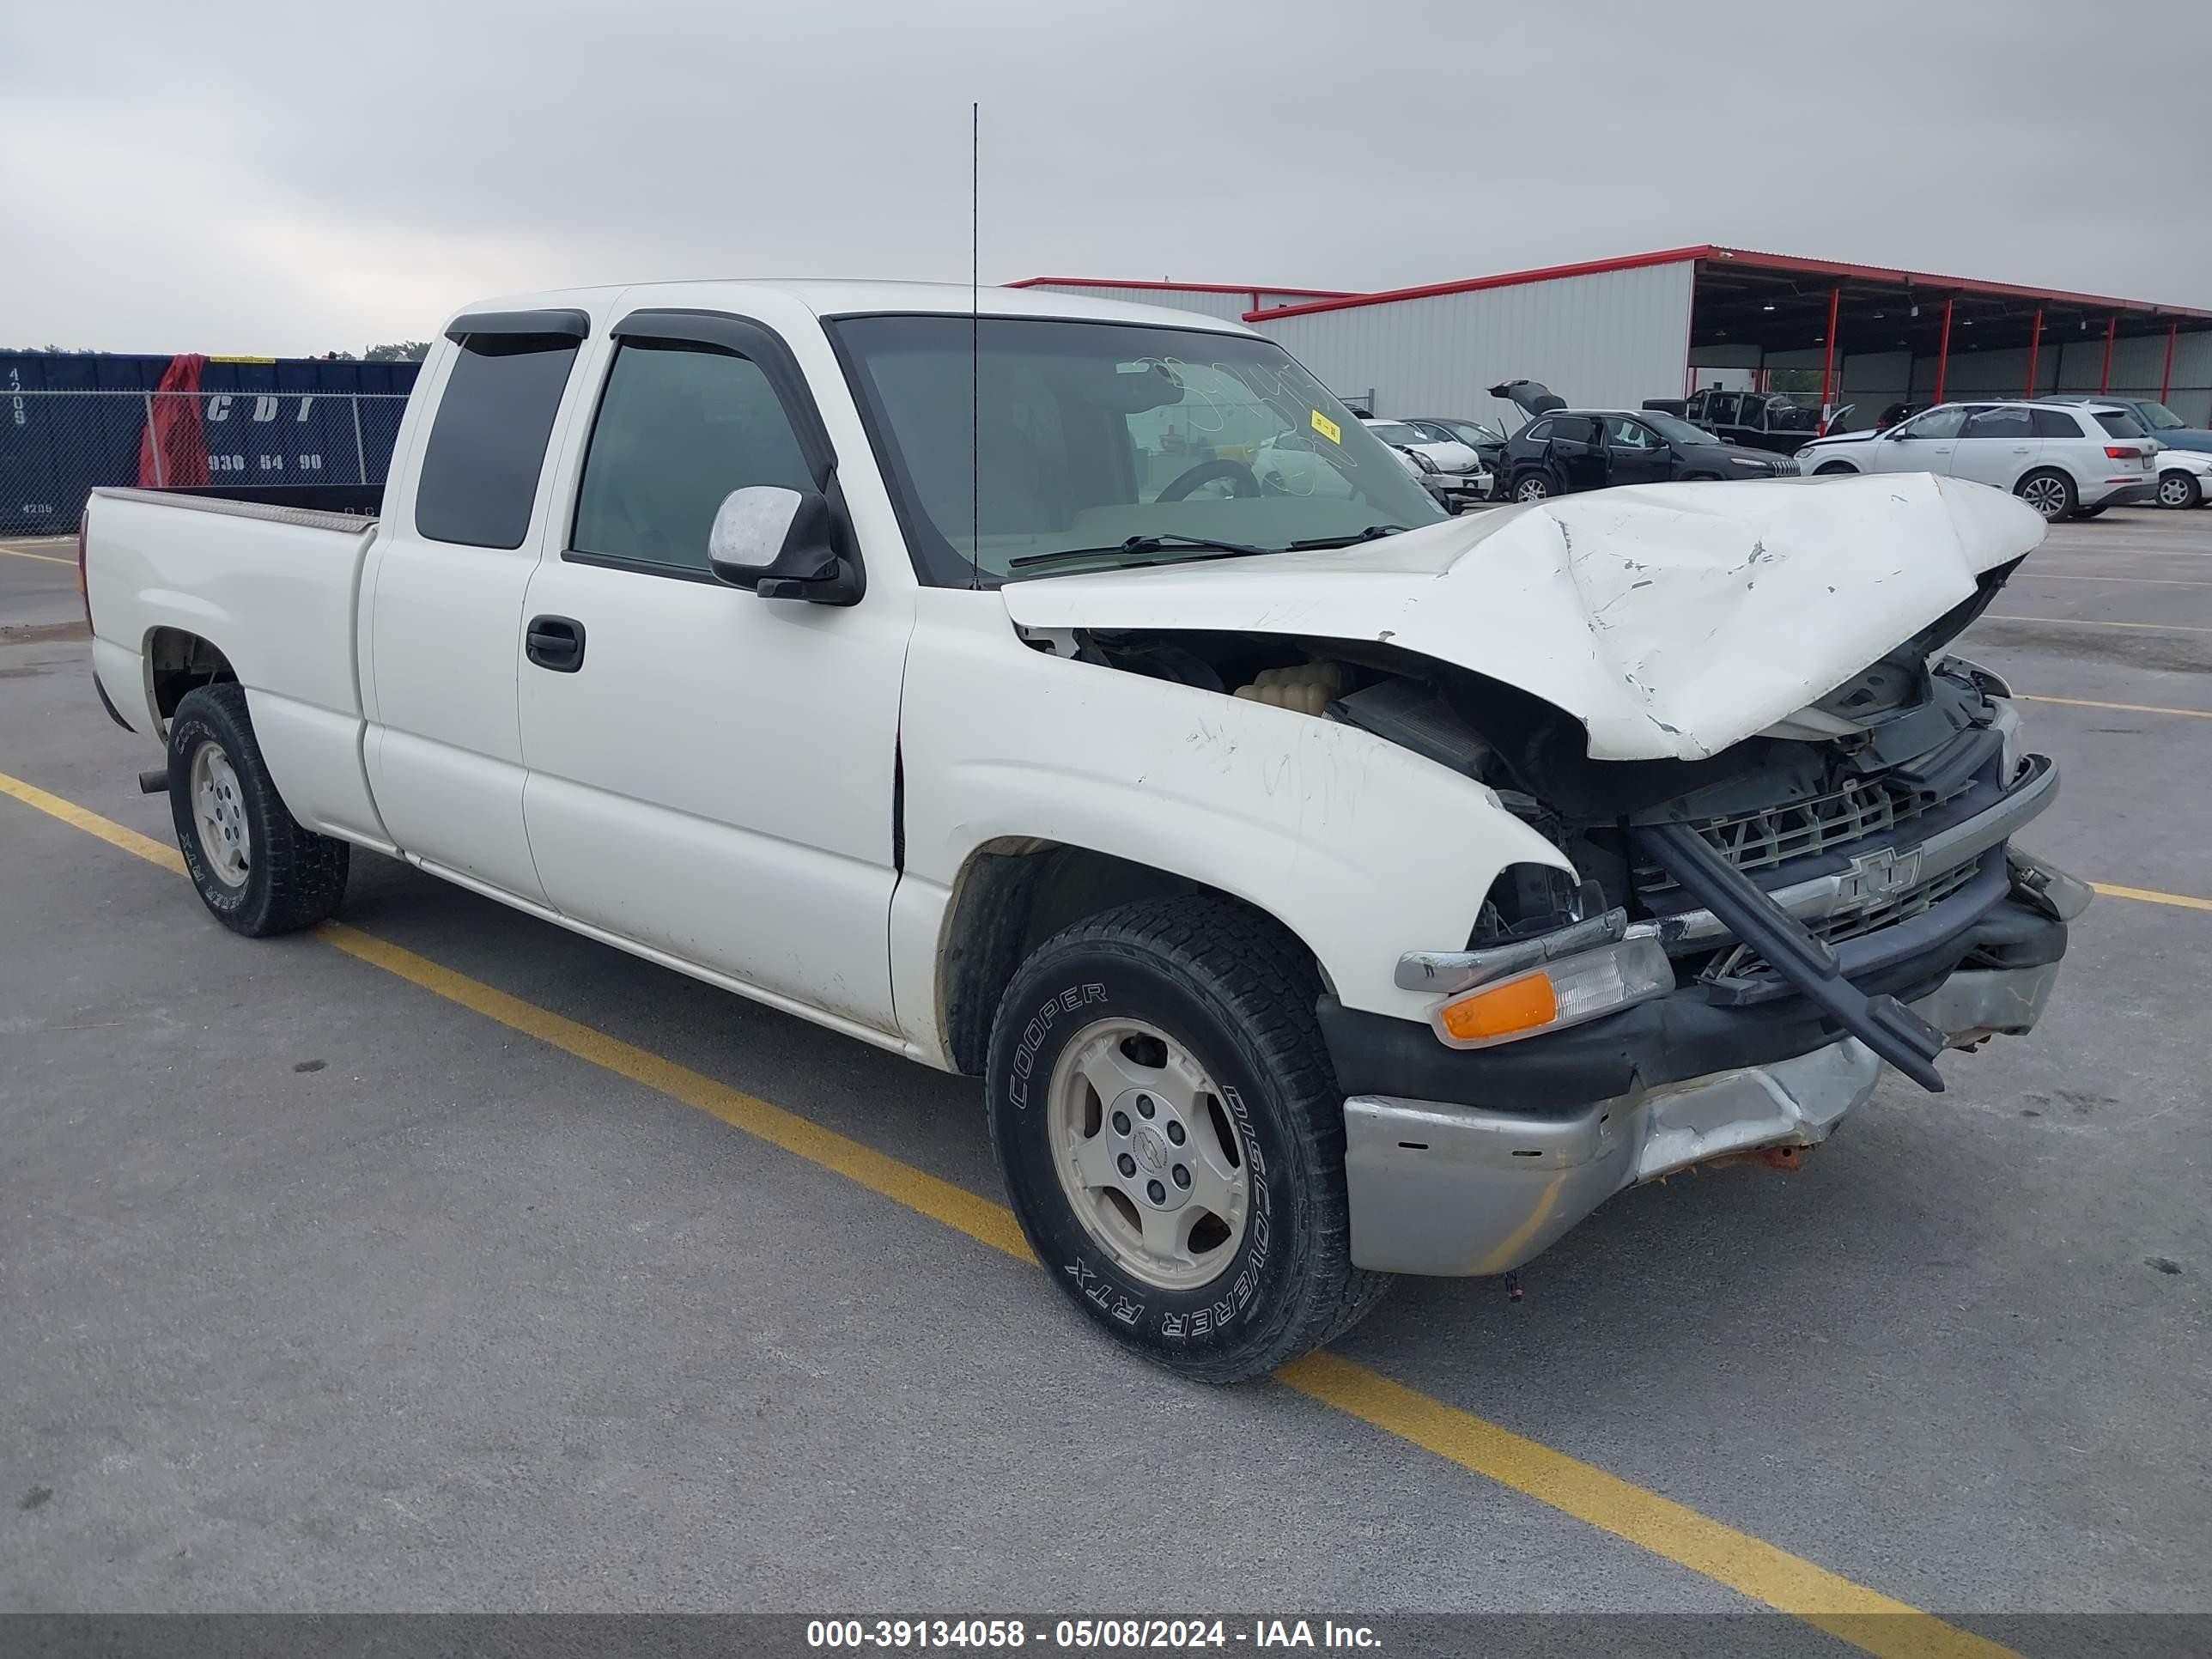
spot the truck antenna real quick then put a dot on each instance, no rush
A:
(975, 345)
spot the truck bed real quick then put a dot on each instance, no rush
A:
(176, 579)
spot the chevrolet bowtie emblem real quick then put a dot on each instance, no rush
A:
(1879, 874)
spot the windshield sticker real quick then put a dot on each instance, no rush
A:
(1328, 428)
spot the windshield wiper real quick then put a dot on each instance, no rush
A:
(1374, 532)
(1138, 544)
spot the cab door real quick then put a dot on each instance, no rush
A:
(443, 597)
(1924, 445)
(712, 774)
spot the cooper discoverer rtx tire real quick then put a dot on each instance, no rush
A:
(255, 869)
(1171, 1136)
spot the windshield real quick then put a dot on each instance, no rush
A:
(1474, 432)
(1397, 432)
(1097, 435)
(1673, 426)
(2160, 417)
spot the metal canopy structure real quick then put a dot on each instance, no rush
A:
(1776, 304)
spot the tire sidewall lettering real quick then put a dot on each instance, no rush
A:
(1181, 1318)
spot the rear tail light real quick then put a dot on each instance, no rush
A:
(2123, 453)
(84, 588)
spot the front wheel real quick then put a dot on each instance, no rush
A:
(2178, 490)
(1833, 469)
(1172, 1138)
(2050, 493)
(258, 872)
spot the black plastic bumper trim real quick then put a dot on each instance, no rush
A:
(1667, 1040)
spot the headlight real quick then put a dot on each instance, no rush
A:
(1568, 991)
(1744, 460)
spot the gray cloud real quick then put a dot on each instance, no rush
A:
(250, 179)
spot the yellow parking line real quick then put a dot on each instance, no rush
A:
(2151, 895)
(2091, 622)
(1749, 1565)
(44, 558)
(2124, 707)
(92, 824)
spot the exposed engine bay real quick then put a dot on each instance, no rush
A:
(1914, 743)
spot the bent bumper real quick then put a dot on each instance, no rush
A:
(1472, 1162)
(1448, 1189)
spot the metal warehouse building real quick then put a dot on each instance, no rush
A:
(1613, 332)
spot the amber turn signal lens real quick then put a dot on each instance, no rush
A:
(1516, 1006)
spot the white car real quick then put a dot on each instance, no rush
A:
(2185, 477)
(1459, 469)
(2064, 459)
(1323, 887)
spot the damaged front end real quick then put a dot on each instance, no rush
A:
(1781, 866)
(1843, 893)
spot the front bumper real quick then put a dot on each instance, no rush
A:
(1451, 1189)
(1471, 1161)
(1476, 485)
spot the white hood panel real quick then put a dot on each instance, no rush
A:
(1673, 620)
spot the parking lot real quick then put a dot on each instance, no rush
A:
(443, 1259)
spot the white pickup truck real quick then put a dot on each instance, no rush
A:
(1324, 888)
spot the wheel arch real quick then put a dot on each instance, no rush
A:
(1012, 894)
(177, 660)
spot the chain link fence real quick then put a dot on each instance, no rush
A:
(56, 447)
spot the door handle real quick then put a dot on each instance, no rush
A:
(555, 642)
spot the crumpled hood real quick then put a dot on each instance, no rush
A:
(1673, 620)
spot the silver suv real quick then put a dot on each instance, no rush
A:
(2070, 459)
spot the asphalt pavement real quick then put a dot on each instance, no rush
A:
(322, 1288)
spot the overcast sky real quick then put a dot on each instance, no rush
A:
(284, 180)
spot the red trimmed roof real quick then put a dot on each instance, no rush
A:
(1180, 287)
(1713, 254)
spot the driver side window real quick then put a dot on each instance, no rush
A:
(1621, 433)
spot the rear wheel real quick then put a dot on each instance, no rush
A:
(255, 869)
(1533, 488)
(2050, 493)
(2082, 514)
(1172, 1138)
(2178, 490)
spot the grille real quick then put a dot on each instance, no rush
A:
(1786, 466)
(1759, 841)
(1742, 961)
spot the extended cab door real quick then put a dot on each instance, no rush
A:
(712, 774)
(452, 557)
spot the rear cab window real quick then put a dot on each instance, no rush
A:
(478, 478)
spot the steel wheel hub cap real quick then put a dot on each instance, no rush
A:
(2173, 492)
(219, 815)
(1146, 1154)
